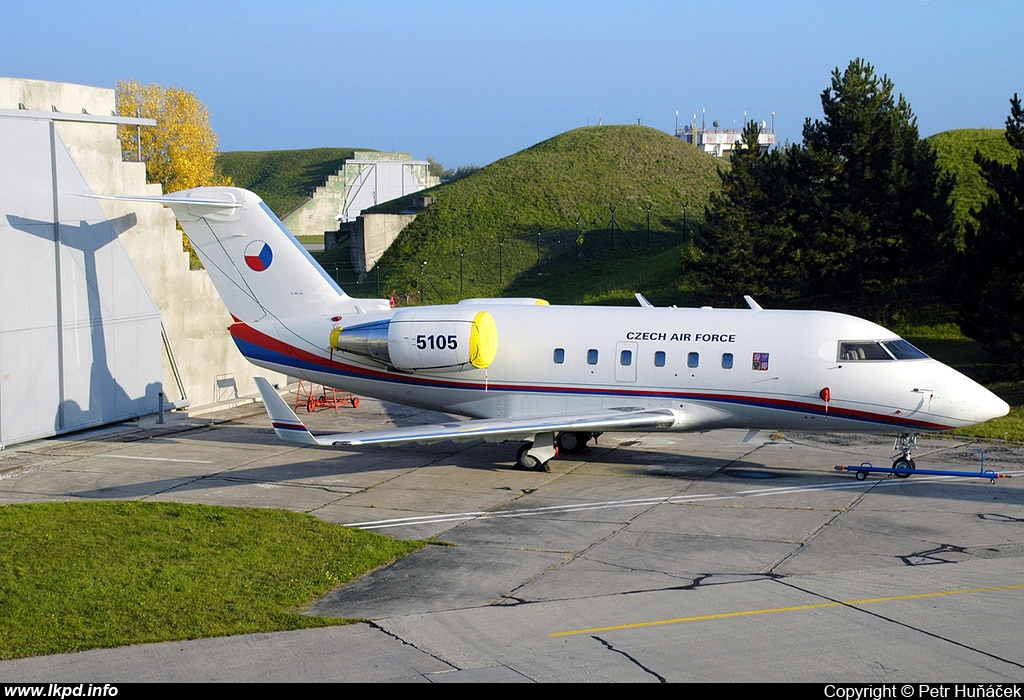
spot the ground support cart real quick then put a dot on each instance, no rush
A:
(314, 396)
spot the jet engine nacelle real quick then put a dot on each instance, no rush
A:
(425, 338)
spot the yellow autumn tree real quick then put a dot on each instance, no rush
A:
(181, 150)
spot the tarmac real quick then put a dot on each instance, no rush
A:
(651, 557)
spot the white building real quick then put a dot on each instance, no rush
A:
(718, 141)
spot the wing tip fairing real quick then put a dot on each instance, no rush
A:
(287, 425)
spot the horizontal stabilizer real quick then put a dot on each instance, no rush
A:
(197, 206)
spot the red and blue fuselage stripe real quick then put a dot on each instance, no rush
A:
(266, 350)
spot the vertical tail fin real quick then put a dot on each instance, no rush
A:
(258, 267)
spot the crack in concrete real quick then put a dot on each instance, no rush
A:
(905, 625)
(607, 645)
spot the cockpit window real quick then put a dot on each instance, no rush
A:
(902, 350)
(862, 350)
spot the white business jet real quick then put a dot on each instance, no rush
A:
(557, 376)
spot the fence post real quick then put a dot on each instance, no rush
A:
(649, 205)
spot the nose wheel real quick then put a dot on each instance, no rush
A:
(903, 463)
(903, 467)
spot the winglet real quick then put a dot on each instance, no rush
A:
(286, 424)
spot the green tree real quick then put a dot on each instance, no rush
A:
(991, 289)
(438, 170)
(435, 168)
(745, 246)
(855, 218)
(879, 219)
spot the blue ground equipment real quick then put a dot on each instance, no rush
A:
(904, 467)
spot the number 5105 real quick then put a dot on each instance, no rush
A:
(437, 342)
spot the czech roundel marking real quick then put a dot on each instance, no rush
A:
(258, 256)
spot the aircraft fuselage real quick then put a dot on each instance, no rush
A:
(744, 368)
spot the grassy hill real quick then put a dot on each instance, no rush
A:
(284, 179)
(589, 216)
(593, 214)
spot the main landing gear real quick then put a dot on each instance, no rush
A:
(534, 456)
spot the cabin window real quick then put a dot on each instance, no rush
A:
(659, 358)
(626, 358)
(559, 355)
(727, 360)
(692, 360)
(591, 357)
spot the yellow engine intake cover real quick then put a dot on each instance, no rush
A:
(483, 340)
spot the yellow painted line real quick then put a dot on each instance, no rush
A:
(795, 608)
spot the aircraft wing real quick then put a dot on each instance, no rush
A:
(289, 428)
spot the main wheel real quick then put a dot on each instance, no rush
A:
(905, 465)
(528, 462)
(572, 442)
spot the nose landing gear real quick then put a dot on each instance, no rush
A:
(902, 463)
(903, 466)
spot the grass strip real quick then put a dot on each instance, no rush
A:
(83, 575)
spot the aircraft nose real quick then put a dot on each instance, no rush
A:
(972, 402)
(990, 406)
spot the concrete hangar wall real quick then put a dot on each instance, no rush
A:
(99, 311)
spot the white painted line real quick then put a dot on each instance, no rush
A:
(547, 510)
(159, 459)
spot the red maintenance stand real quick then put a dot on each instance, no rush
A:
(315, 396)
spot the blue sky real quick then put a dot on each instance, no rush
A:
(472, 82)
